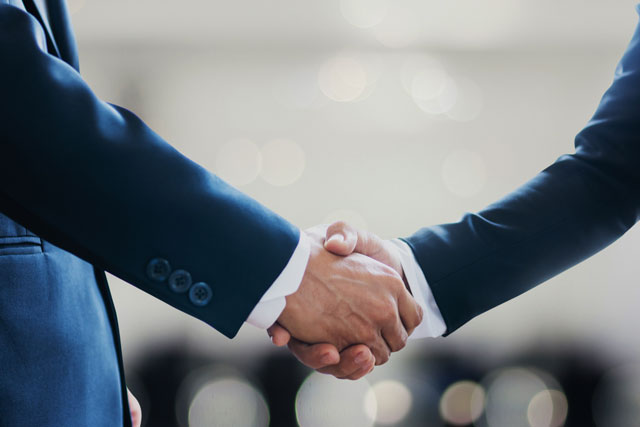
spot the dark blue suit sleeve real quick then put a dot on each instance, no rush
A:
(93, 179)
(571, 210)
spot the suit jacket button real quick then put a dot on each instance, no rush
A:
(200, 294)
(158, 269)
(180, 281)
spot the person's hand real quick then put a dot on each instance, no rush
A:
(351, 363)
(135, 409)
(355, 361)
(350, 300)
(343, 239)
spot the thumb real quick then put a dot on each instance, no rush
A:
(341, 238)
(135, 409)
(279, 335)
(344, 239)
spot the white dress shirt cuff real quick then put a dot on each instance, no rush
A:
(432, 324)
(272, 303)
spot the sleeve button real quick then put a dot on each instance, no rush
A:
(200, 294)
(158, 269)
(180, 281)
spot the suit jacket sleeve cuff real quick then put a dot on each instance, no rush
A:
(432, 322)
(273, 302)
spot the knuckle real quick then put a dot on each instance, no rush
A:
(419, 315)
(389, 311)
(370, 337)
(394, 283)
(379, 316)
(394, 277)
(385, 309)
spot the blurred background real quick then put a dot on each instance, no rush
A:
(394, 115)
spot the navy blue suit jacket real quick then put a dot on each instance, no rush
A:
(571, 210)
(98, 190)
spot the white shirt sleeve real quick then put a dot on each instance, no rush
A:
(432, 322)
(272, 303)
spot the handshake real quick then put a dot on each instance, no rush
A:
(353, 307)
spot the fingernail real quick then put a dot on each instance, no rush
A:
(361, 358)
(339, 238)
(326, 358)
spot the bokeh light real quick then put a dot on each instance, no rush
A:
(239, 162)
(419, 65)
(509, 395)
(442, 103)
(364, 13)
(548, 408)
(283, 162)
(464, 173)
(325, 401)
(427, 84)
(469, 101)
(373, 65)
(342, 79)
(462, 403)
(393, 402)
(431, 88)
(436, 92)
(228, 402)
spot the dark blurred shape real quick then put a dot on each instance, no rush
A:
(158, 376)
(445, 388)
(280, 376)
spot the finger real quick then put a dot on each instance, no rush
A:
(355, 361)
(279, 335)
(366, 366)
(410, 311)
(380, 350)
(341, 238)
(395, 335)
(135, 410)
(344, 239)
(315, 356)
(361, 373)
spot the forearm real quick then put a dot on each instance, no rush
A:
(570, 211)
(95, 180)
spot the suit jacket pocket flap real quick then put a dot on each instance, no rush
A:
(20, 245)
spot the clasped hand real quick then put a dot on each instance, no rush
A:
(352, 300)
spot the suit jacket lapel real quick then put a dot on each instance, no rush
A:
(16, 3)
(38, 8)
(60, 24)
